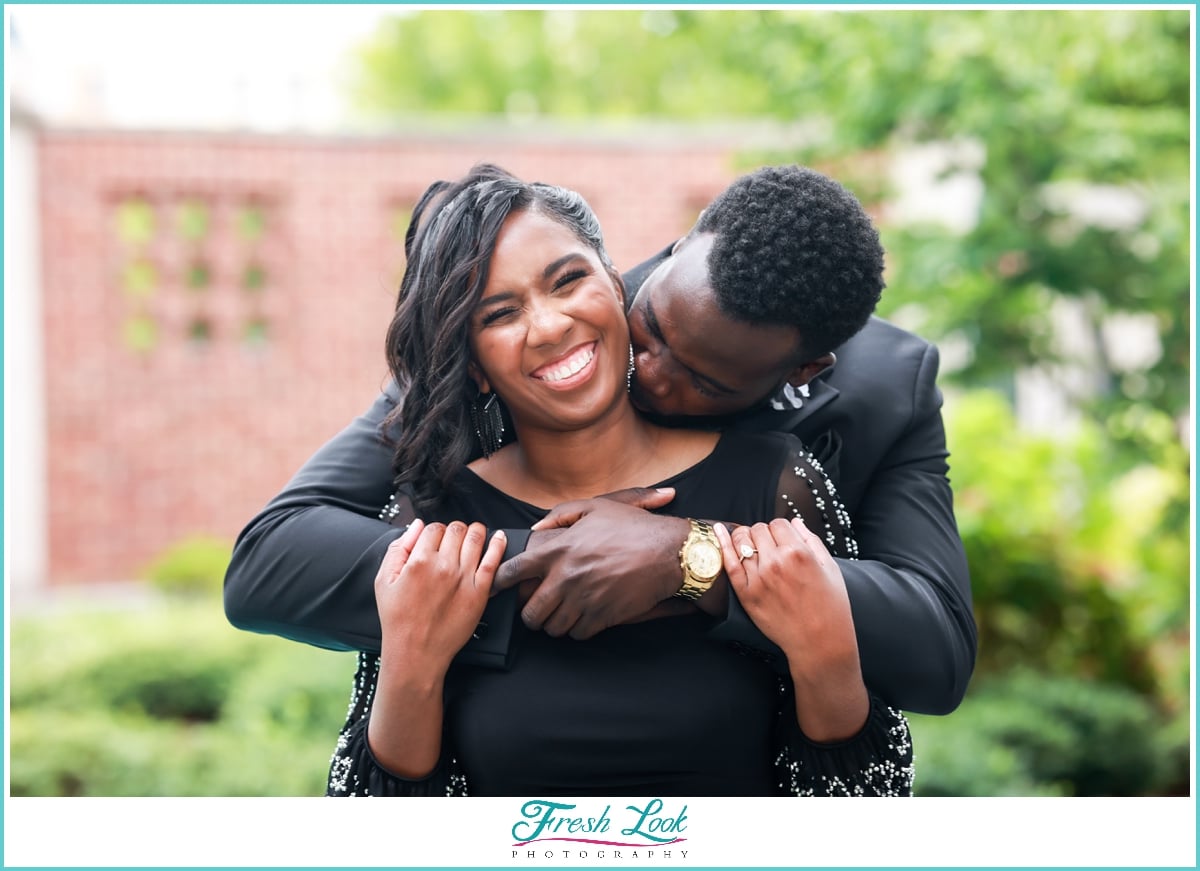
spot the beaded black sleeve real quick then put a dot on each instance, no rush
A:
(879, 760)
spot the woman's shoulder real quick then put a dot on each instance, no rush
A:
(738, 481)
(752, 445)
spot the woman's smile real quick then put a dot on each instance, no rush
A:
(569, 370)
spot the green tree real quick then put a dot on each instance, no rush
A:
(1053, 101)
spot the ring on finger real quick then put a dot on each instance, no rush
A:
(745, 551)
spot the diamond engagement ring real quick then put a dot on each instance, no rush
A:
(746, 551)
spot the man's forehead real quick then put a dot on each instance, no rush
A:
(686, 270)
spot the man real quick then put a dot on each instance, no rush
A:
(756, 318)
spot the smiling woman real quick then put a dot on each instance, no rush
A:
(510, 298)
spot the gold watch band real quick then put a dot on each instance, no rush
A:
(700, 560)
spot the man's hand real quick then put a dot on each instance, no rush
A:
(569, 513)
(601, 562)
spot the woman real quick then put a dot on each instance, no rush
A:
(510, 294)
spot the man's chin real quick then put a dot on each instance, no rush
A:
(695, 421)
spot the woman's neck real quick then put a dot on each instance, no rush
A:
(548, 467)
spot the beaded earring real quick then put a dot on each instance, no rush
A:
(629, 372)
(488, 422)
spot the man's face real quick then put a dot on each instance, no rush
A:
(692, 359)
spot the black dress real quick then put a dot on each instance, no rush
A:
(652, 708)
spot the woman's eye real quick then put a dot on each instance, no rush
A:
(497, 315)
(569, 278)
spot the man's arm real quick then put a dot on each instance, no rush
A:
(910, 590)
(304, 567)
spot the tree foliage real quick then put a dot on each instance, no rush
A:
(1061, 106)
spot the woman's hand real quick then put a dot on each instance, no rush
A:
(431, 590)
(794, 592)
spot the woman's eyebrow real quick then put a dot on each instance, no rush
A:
(556, 265)
(500, 296)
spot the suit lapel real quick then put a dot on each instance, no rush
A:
(820, 394)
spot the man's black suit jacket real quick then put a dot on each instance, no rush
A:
(304, 567)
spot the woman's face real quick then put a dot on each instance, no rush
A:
(549, 333)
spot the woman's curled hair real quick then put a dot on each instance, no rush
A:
(449, 245)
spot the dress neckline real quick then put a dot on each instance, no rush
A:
(697, 466)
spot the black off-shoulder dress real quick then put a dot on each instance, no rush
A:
(654, 708)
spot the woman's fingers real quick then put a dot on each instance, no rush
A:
(398, 552)
(451, 546)
(486, 572)
(429, 541)
(766, 557)
(810, 538)
(730, 557)
(470, 549)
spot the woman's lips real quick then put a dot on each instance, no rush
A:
(568, 370)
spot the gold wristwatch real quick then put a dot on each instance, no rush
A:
(700, 559)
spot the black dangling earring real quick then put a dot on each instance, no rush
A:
(629, 372)
(489, 423)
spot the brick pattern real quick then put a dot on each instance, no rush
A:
(159, 429)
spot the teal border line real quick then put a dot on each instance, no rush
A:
(500, 4)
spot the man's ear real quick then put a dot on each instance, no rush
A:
(806, 372)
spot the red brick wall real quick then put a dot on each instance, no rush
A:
(154, 434)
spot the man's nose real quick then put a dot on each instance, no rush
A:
(652, 374)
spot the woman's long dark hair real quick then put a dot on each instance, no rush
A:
(449, 252)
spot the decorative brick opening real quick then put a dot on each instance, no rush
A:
(196, 267)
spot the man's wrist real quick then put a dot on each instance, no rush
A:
(675, 533)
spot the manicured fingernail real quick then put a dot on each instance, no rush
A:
(721, 530)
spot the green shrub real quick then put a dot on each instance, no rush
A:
(1077, 566)
(194, 566)
(299, 690)
(1030, 734)
(169, 700)
(104, 754)
(182, 683)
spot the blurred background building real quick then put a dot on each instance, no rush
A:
(203, 267)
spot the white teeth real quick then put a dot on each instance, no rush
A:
(571, 367)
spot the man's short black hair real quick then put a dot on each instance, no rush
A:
(794, 247)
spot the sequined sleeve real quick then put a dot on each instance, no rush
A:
(353, 769)
(805, 491)
(878, 760)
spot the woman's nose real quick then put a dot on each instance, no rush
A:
(548, 324)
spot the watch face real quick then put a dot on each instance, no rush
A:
(704, 559)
